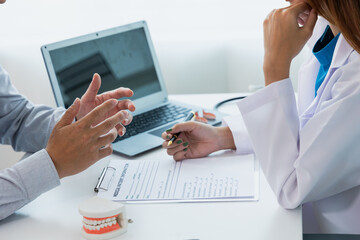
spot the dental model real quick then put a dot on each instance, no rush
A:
(209, 115)
(200, 119)
(103, 219)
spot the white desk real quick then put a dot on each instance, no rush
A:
(54, 215)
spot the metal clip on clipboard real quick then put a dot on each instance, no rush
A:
(105, 174)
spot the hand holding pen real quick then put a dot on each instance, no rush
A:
(189, 117)
(196, 140)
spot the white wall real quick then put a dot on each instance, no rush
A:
(203, 46)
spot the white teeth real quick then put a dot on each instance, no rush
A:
(99, 224)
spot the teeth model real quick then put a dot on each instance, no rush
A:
(102, 218)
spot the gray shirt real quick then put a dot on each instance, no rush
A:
(26, 127)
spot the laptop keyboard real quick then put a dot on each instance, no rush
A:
(154, 118)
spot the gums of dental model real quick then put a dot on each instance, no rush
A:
(102, 218)
(208, 115)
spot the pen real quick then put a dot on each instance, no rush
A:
(189, 117)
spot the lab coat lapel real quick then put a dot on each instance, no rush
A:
(341, 54)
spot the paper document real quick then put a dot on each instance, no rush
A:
(215, 178)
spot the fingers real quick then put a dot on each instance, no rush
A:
(126, 104)
(106, 151)
(107, 138)
(178, 149)
(120, 129)
(70, 114)
(128, 119)
(117, 93)
(311, 21)
(181, 155)
(93, 89)
(296, 9)
(179, 145)
(97, 113)
(182, 127)
(175, 143)
(111, 122)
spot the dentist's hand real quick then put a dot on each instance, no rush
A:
(197, 140)
(284, 38)
(90, 100)
(73, 147)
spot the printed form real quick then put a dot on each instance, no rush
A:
(224, 177)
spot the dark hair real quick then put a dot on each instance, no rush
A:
(344, 14)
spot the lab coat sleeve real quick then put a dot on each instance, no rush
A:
(318, 161)
(25, 181)
(240, 135)
(23, 125)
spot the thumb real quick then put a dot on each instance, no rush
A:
(70, 114)
(93, 89)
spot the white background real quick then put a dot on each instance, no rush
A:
(203, 46)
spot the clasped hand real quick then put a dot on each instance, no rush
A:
(73, 147)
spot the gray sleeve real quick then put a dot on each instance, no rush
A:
(23, 125)
(26, 127)
(25, 181)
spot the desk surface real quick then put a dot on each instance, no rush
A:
(54, 215)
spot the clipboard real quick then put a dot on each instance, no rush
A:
(107, 173)
(224, 176)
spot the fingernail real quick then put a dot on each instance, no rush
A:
(167, 137)
(178, 141)
(185, 144)
(125, 121)
(169, 130)
(185, 149)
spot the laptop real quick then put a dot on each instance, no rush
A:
(124, 57)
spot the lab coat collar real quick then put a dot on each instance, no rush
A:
(342, 49)
(318, 31)
(341, 53)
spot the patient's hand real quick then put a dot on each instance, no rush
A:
(90, 100)
(73, 147)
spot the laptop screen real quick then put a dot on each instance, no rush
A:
(122, 60)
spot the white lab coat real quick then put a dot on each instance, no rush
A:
(310, 151)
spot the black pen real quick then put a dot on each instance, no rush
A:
(189, 117)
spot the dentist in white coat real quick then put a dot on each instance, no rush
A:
(309, 151)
